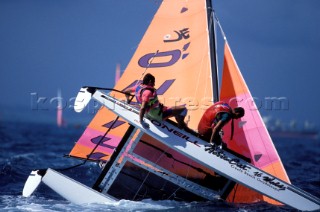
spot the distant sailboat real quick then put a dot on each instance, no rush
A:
(118, 73)
(164, 162)
(60, 120)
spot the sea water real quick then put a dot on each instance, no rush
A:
(28, 146)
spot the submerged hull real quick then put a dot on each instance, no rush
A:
(67, 188)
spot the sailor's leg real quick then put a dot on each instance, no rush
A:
(179, 112)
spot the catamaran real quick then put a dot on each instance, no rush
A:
(163, 161)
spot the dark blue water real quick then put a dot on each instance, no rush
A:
(28, 146)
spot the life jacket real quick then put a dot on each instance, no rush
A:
(210, 117)
(153, 107)
(219, 107)
(139, 91)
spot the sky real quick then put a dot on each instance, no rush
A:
(48, 45)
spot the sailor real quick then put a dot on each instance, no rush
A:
(146, 96)
(214, 119)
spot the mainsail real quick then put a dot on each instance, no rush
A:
(176, 50)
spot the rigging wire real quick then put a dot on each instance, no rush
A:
(220, 27)
(146, 177)
(174, 193)
(105, 134)
(143, 73)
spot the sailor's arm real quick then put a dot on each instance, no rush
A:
(216, 129)
(141, 115)
(128, 92)
(224, 119)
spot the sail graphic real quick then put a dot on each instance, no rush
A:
(176, 50)
(251, 137)
(94, 134)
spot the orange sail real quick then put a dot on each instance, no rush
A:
(175, 49)
(251, 137)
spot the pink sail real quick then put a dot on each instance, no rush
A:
(250, 137)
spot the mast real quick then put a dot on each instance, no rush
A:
(213, 53)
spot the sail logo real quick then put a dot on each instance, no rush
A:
(181, 34)
(167, 58)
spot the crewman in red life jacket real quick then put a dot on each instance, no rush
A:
(213, 120)
(146, 96)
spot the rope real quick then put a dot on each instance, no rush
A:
(143, 73)
(105, 134)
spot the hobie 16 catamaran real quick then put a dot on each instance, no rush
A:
(163, 161)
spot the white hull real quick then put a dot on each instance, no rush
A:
(70, 189)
